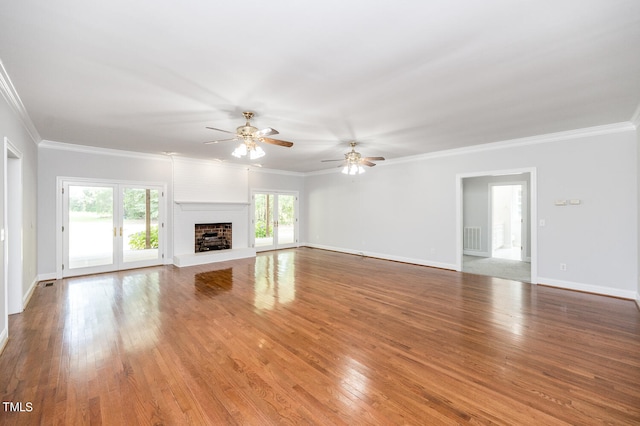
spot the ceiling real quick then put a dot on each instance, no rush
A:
(400, 77)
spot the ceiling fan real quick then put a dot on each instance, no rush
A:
(249, 135)
(353, 161)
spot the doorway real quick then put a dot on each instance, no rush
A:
(111, 226)
(508, 224)
(494, 243)
(274, 220)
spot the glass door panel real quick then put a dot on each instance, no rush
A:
(140, 224)
(286, 219)
(110, 226)
(90, 227)
(263, 220)
(275, 220)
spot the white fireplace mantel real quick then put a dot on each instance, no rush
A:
(211, 205)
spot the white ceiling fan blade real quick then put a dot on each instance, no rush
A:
(220, 130)
(219, 140)
(265, 132)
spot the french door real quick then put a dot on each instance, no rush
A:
(275, 220)
(110, 226)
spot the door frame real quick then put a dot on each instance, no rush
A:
(524, 222)
(533, 212)
(118, 184)
(13, 228)
(252, 219)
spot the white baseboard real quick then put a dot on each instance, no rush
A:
(588, 288)
(638, 300)
(4, 339)
(27, 297)
(386, 256)
(47, 277)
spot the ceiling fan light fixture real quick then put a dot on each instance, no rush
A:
(240, 151)
(353, 169)
(256, 153)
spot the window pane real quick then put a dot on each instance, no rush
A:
(90, 226)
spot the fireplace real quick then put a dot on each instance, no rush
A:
(212, 236)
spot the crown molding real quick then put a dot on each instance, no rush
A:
(511, 143)
(10, 94)
(209, 161)
(255, 169)
(61, 146)
(533, 140)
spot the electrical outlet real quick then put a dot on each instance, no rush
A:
(563, 266)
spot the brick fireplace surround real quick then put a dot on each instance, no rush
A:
(223, 230)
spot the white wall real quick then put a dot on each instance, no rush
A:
(64, 160)
(13, 127)
(407, 210)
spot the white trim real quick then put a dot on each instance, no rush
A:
(209, 205)
(13, 225)
(210, 161)
(4, 338)
(12, 97)
(27, 297)
(61, 146)
(47, 277)
(638, 300)
(511, 143)
(384, 256)
(588, 288)
(275, 171)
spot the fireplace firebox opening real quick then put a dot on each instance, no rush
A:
(212, 236)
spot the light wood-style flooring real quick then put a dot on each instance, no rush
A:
(306, 336)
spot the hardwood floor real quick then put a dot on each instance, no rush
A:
(308, 336)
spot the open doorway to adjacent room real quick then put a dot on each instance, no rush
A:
(496, 212)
